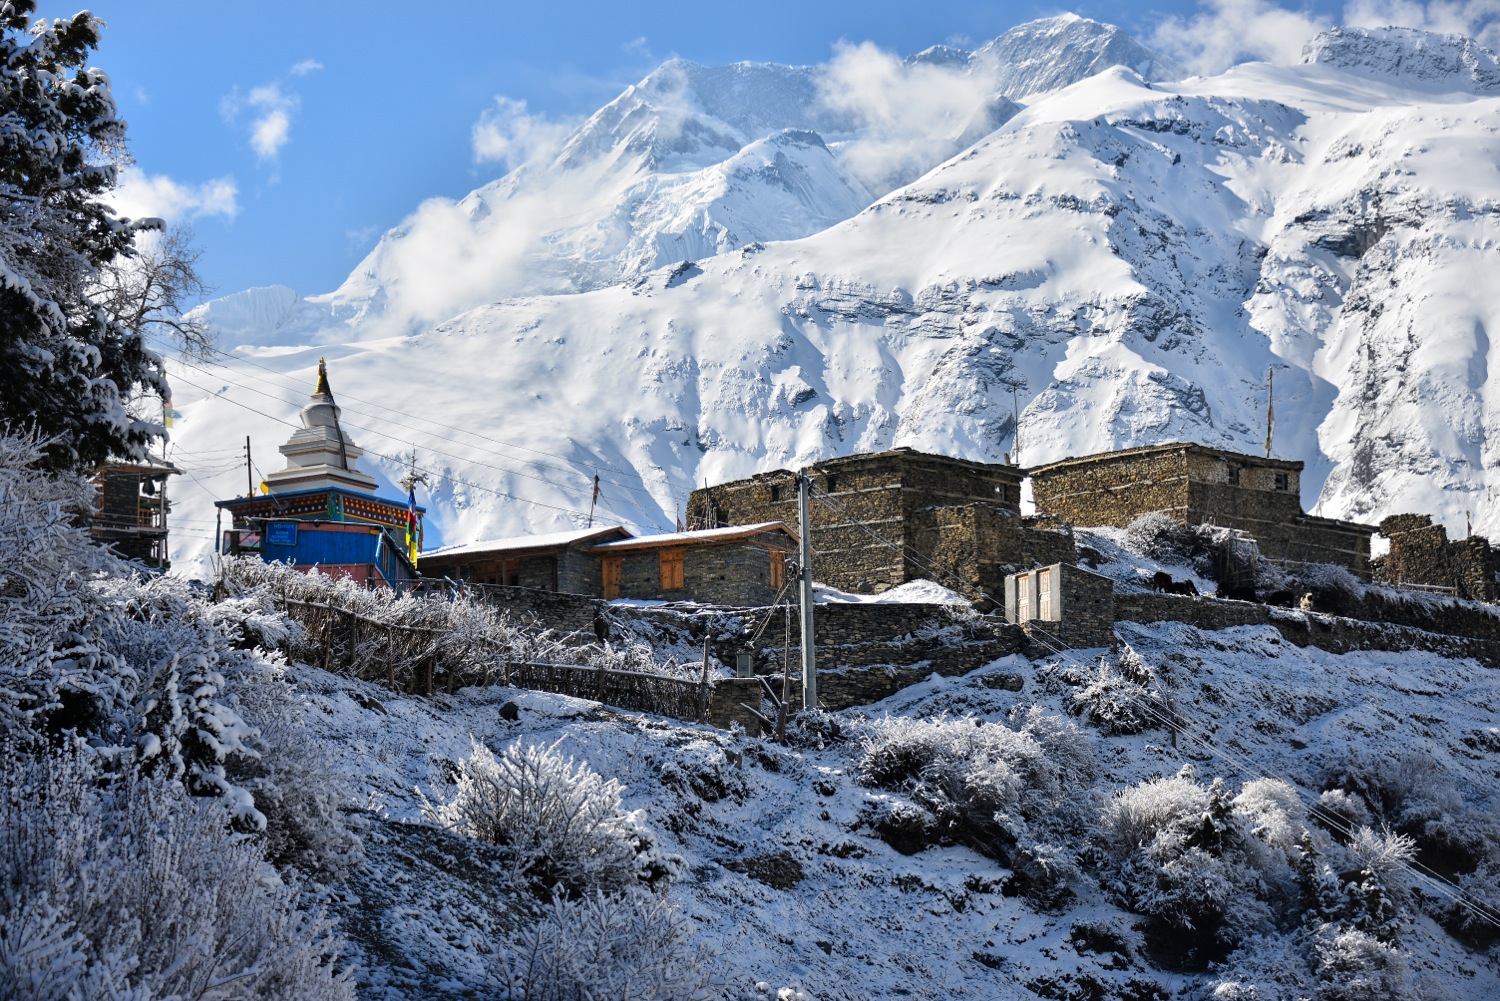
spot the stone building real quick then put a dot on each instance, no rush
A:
(1062, 604)
(131, 512)
(559, 561)
(885, 518)
(1201, 485)
(1422, 555)
(743, 566)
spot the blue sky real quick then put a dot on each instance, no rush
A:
(290, 135)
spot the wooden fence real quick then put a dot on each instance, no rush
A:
(410, 658)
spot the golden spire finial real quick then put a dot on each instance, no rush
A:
(322, 389)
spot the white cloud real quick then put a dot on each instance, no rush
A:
(1227, 32)
(271, 109)
(508, 134)
(1479, 19)
(910, 116)
(305, 67)
(140, 195)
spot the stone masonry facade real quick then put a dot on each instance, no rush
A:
(739, 572)
(1202, 486)
(1422, 554)
(880, 520)
(1062, 605)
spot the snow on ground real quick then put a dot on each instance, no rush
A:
(919, 592)
(864, 920)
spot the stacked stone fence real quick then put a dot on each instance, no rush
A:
(1335, 633)
(634, 690)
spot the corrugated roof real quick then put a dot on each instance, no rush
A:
(553, 540)
(710, 535)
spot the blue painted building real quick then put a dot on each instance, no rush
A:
(322, 510)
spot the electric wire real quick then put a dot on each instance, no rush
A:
(286, 381)
(405, 441)
(447, 477)
(1422, 872)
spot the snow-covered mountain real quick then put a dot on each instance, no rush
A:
(715, 287)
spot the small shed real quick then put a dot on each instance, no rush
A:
(743, 566)
(1062, 605)
(559, 561)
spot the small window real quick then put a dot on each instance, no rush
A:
(671, 570)
(1283, 482)
(775, 492)
(721, 518)
(830, 483)
(1234, 476)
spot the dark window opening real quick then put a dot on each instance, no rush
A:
(721, 518)
(830, 483)
(775, 493)
(1283, 482)
(1234, 476)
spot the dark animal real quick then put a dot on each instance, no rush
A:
(1163, 582)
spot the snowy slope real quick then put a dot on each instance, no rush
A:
(1121, 262)
(857, 919)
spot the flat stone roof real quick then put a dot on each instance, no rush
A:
(1290, 465)
(710, 535)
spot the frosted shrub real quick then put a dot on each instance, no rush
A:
(124, 888)
(1353, 965)
(628, 947)
(1114, 703)
(54, 669)
(983, 784)
(1209, 867)
(1161, 537)
(564, 821)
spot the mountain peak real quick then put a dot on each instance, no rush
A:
(1052, 52)
(1412, 57)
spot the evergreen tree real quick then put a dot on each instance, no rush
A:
(65, 364)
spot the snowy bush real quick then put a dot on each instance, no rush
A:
(1162, 538)
(123, 887)
(55, 670)
(1353, 965)
(1211, 868)
(627, 947)
(564, 821)
(1115, 704)
(983, 784)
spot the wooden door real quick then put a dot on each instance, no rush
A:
(672, 570)
(611, 568)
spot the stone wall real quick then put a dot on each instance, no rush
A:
(568, 613)
(1422, 554)
(736, 574)
(976, 545)
(727, 701)
(874, 520)
(1338, 634)
(570, 570)
(1199, 485)
(1114, 489)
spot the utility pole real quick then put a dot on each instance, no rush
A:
(249, 474)
(804, 531)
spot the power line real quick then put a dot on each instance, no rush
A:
(1423, 873)
(449, 477)
(405, 441)
(436, 423)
